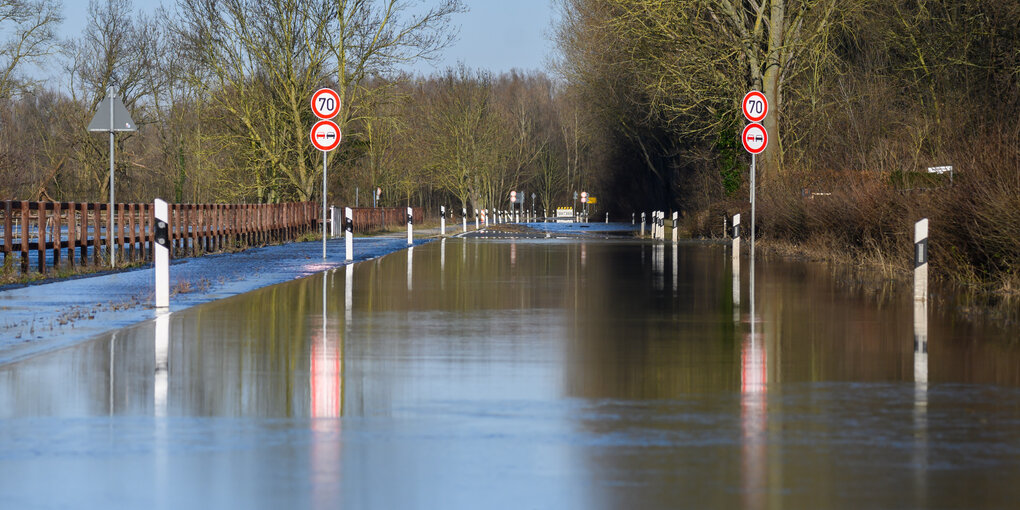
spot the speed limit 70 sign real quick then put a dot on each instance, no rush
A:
(325, 103)
(755, 106)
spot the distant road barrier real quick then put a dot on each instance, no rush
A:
(53, 234)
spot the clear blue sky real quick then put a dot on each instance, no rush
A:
(497, 35)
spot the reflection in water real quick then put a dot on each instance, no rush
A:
(532, 374)
(348, 293)
(658, 260)
(410, 269)
(326, 370)
(920, 397)
(676, 264)
(326, 389)
(162, 354)
(754, 418)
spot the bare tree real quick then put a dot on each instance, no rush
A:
(30, 25)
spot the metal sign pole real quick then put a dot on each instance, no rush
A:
(110, 219)
(754, 165)
(323, 205)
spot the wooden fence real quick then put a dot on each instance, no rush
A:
(52, 234)
(374, 219)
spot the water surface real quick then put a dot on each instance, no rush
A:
(539, 374)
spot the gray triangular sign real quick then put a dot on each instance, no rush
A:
(121, 118)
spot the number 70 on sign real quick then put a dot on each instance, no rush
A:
(325, 103)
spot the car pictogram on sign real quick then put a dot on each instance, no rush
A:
(754, 138)
(325, 135)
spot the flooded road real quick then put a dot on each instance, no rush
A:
(537, 374)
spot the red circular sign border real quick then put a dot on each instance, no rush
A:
(311, 135)
(743, 106)
(743, 138)
(331, 92)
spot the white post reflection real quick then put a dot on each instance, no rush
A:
(162, 349)
(111, 378)
(920, 396)
(348, 292)
(160, 385)
(513, 254)
(442, 264)
(659, 265)
(676, 265)
(410, 268)
(325, 369)
(326, 394)
(754, 420)
(753, 408)
(736, 289)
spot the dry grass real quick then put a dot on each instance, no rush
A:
(867, 222)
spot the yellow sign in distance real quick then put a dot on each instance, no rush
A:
(591, 200)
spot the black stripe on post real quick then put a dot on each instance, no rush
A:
(163, 234)
(920, 253)
(736, 231)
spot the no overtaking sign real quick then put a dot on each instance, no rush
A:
(325, 135)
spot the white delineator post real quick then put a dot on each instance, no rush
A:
(410, 226)
(463, 214)
(736, 240)
(921, 260)
(442, 220)
(349, 232)
(332, 222)
(675, 230)
(476, 219)
(162, 262)
(642, 224)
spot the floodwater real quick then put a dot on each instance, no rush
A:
(526, 374)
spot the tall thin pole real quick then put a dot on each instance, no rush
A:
(109, 218)
(323, 205)
(753, 205)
